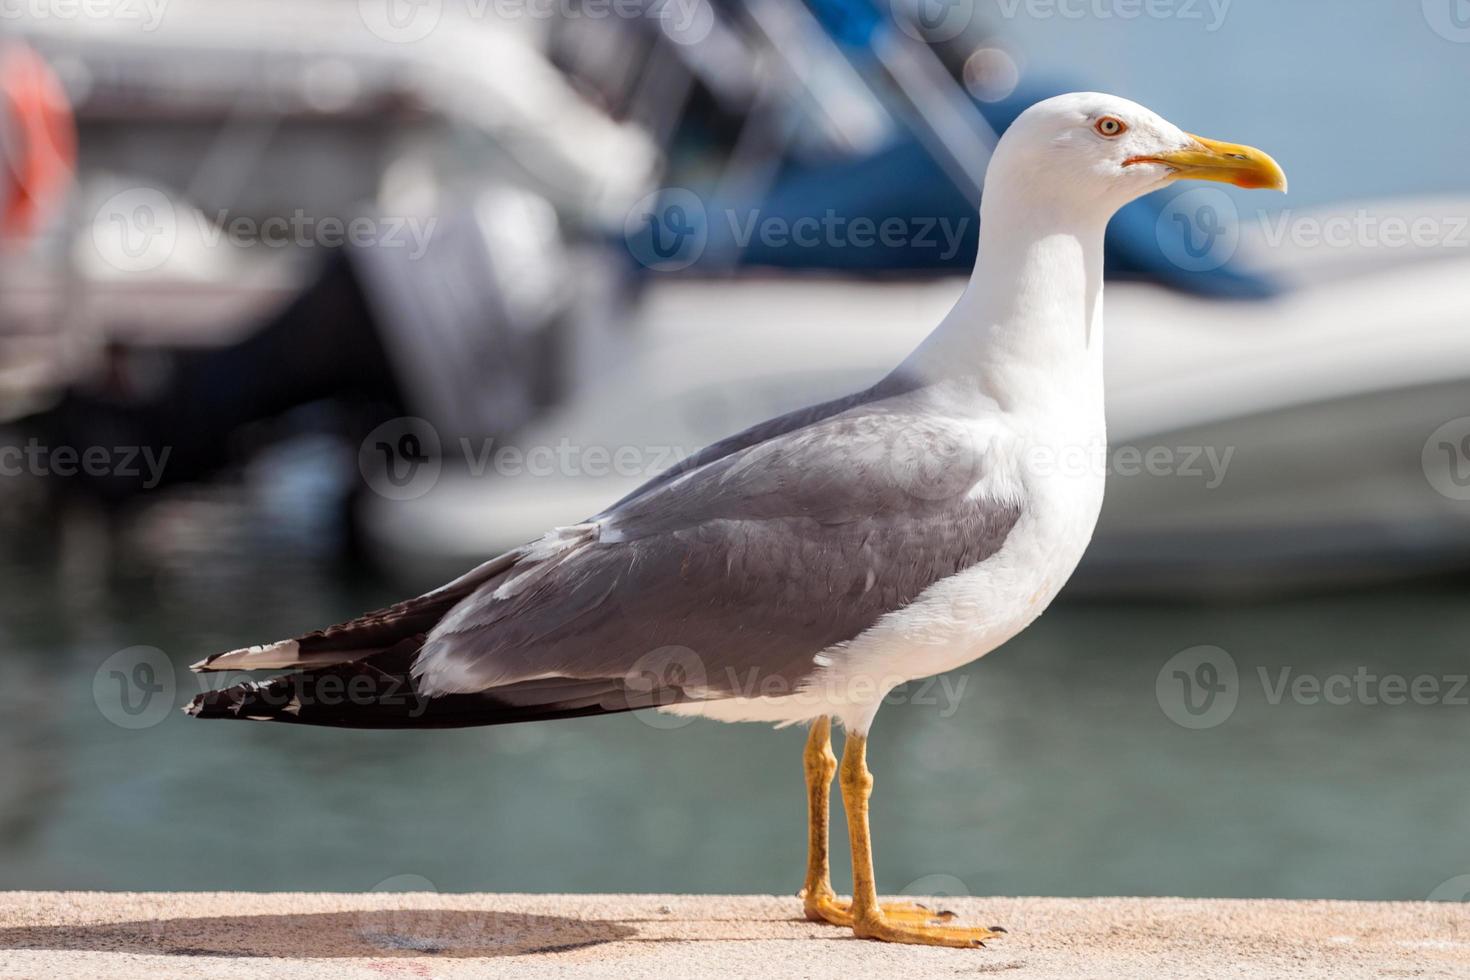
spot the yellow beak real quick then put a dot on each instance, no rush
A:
(1229, 163)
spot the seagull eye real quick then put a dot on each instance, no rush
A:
(1110, 126)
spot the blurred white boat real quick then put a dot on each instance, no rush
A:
(1302, 440)
(193, 114)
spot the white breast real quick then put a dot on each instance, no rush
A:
(961, 618)
(965, 616)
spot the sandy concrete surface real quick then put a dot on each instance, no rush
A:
(380, 934)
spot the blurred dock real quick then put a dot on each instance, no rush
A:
(385, 934)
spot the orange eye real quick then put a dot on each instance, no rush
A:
(1110, 126)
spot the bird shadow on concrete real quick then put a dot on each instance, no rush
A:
(371, 933)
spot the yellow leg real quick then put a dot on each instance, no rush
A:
(820, 765)
(869, 919)
(819, 902)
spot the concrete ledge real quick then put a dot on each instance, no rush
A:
(379, 934)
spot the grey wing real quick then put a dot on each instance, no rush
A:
(729, 579)
(894, 384)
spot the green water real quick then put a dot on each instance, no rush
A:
(1048, 768)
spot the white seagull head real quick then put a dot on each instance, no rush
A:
(1087, 151)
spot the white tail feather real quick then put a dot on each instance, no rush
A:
(269, 656)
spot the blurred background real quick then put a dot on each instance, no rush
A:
(309, 305)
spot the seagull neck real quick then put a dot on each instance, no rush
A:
(1030, 319)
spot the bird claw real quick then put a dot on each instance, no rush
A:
(883, 928)
(838, 912)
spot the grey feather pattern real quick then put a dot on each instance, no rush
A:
(727, 576)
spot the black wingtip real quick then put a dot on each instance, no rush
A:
(224, 703)
(379, 692)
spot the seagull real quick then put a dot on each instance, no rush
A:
(799, 571)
